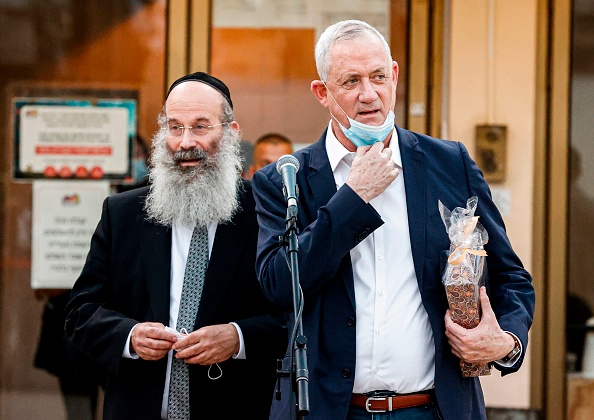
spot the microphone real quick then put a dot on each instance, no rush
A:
(287, 166)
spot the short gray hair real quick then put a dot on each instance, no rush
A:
(346, 29)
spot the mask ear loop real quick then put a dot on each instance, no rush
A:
(392, 105)
(336, 102)
(216, 377)
(393, 96)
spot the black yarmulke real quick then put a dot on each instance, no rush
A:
(206, 79)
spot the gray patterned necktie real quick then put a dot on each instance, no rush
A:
(179, 384)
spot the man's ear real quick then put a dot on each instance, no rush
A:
(395, 79)
(234, 125)
(318, 88)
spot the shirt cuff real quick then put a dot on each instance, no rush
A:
(241, 353)
(126, 353)
(513, 361)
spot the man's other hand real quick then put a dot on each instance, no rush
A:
(208, 345)
(150, 340)
(484, 343)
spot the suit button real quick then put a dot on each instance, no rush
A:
(363, 235)
(350, 321)
(346, 373)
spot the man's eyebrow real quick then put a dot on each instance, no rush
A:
(201, 119)
(350, 74)
(198, 119)
(343, 78)
(381, 69)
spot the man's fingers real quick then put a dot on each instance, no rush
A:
(208, 345)
(151, 341)
(485, 302)
(395, 171)
(149, 353)
(488, 316)
(150, 349)
(159, 344)
(186, 341)
(450, 325)
(378, 145)
(153, 333)
(361, 150)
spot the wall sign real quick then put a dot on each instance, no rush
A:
(65, 215)
(73, 138)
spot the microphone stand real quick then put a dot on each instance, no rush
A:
(299, 367)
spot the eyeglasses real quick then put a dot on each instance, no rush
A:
(177, 130)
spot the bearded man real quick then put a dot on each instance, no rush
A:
(168, 302)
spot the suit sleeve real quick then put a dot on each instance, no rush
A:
(509, 285)
(97, 330)
(324, 242)
(265, 336)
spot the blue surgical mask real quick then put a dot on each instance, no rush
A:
(364, 134)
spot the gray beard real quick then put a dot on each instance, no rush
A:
(207, 192)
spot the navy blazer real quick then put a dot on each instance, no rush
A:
(332, 222)
(126, 280)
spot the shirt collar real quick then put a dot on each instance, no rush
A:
(337, 152)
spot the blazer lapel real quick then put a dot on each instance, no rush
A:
(220, 272)
(415, 173)
(224, 260)
(319, 176)
(155, 241)
(323, 186)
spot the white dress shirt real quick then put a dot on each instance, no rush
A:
(395, 348)
(180, 246)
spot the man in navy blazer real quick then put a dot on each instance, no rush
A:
(133, 280)
(372, 246)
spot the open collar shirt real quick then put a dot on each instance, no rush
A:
(394, 341)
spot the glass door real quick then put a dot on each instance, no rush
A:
(580, 293)
(62, 50)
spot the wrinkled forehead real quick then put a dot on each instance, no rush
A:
(364, 52)
(367, 38)
(193, 97)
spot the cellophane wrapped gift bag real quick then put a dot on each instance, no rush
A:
(465, 271)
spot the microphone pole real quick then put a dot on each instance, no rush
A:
(287, 166)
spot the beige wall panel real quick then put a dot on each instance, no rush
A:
(499, 90)
(200, 36)
(177, 45)
(514, 105)
(468, 64)
(417, 87)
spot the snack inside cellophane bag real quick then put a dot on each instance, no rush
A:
(465, 270)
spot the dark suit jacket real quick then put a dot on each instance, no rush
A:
(332, 222)
(126, 280)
